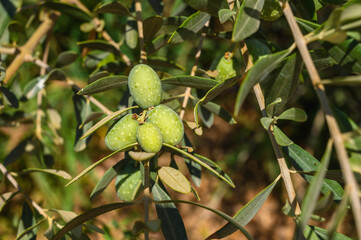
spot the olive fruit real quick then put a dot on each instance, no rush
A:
(168, 122)
(122, 133)
(149, 137)
(271, 10)
(225, 68)
(144, 86)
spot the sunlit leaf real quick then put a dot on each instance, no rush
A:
(245, 215)
(303, 161)
(225, 14)
(104, 84)
(257, 73)
(189, 27)
(266, 122)
(280, 137)
(174, 179)
(247, 20)
(128, 182)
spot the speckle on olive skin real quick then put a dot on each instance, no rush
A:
(149, 137)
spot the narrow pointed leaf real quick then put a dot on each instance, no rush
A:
(105, 120)
(219, 213)
(59, 173)
(128, 182)
(344, 81)
(313, 190)
(174, 179)
(190, 27)
(70, 10)
(91, 167)
(225, 14)
(191, 81)
(263, 66)
(104, 84)
(247, 20)
(6, 197)
(10, 97)
(195, 171)
(220, 112)
(303, 161)
(65, 58)
(280, 137)
(210, 6)
(204, 162)
(172, 223)
(99, 45)
(294, 114)
(29, 229)
(26, 221)
(106, 179)
(90, 214)
(245, 215)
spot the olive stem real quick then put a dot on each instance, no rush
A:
(329, 116)
(187, 92)
(146, 196)
(138, 11)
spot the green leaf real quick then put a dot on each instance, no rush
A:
(245, 215)
(190, 27)
(65, 58)
(99, 45)
(33, 87)
(203, 161)
(105, 120)
(57, 74)
(70, 10)
(10, 97)
(266, 122)
(90, 214)
(256, 49)
(270, 107)
(190, 81)
(104, 84)
(91, 167)
(210, 6)
(220, 112)
(151, 26)
(343, 81)
(5, 198)
(317, 233)
(247, 20)
(67, 216)
(141, 156)
(106, 179)
(128, 182)
(152, 226)
(285, 83)
(225, 14)
(214, 92)
(174, 179)
(131, 34)
(29, 230)
(257, 73)
(303, 161)
(82, 109)
(305, 8)
(114, 8)
(26, 221)
(163, 62)
(294, 114)
(172, 223)
(219, 213)
(313, 190)
(280, 137)
(16, 152)
(195, 170)
(59, 173)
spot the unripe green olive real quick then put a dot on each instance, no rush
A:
(168, 122)
(225, 68)
(122, 133)
(149, 137)
(271, 10)
(144, 86)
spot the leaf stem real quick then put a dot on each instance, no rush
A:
(330, 119)
(286, 176)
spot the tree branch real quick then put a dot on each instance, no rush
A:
(330, 119)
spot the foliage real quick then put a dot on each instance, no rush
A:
(64, 90)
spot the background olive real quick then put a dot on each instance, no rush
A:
(144, 86)
(122, 133)
(168, 122)
(149, 137)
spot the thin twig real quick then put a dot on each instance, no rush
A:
(330, 119)
(138, 11)
(187, 92)
(9, 51)
(276, 148)
(29, 46)
(13, 181)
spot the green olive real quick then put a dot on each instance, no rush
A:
(122, 133)
(168, 122)
(149, 137)
(144, 86)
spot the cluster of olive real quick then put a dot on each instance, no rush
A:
(157, 124)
